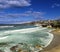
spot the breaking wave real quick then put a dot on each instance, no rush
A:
(36, 35)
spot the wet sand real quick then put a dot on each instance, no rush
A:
(55, 44)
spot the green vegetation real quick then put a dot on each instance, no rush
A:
(56, 24)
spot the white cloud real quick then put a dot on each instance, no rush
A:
(55, 5)
(14, 3)
(17, 16)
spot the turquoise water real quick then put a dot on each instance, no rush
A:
(29, 36)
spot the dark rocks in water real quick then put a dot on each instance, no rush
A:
(23, 47)
(19, 50)
(13, 48)
(16, 49)
(1, 51)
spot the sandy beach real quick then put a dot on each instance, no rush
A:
(55, 44)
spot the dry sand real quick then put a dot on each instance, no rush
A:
(55, 44)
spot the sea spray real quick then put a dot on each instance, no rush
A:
(50, 39)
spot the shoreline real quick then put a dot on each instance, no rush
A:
(51, 37)
(54, 46)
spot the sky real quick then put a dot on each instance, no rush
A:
(20, 11)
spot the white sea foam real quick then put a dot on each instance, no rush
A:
(48, 41)
(3, 37)
(28, 30)
(5, 26)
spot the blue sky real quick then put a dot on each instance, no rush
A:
(18, 11)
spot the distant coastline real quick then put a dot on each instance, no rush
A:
(43, 23)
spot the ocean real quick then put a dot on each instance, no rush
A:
(26, 37)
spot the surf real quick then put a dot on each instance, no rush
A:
(29, 36)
